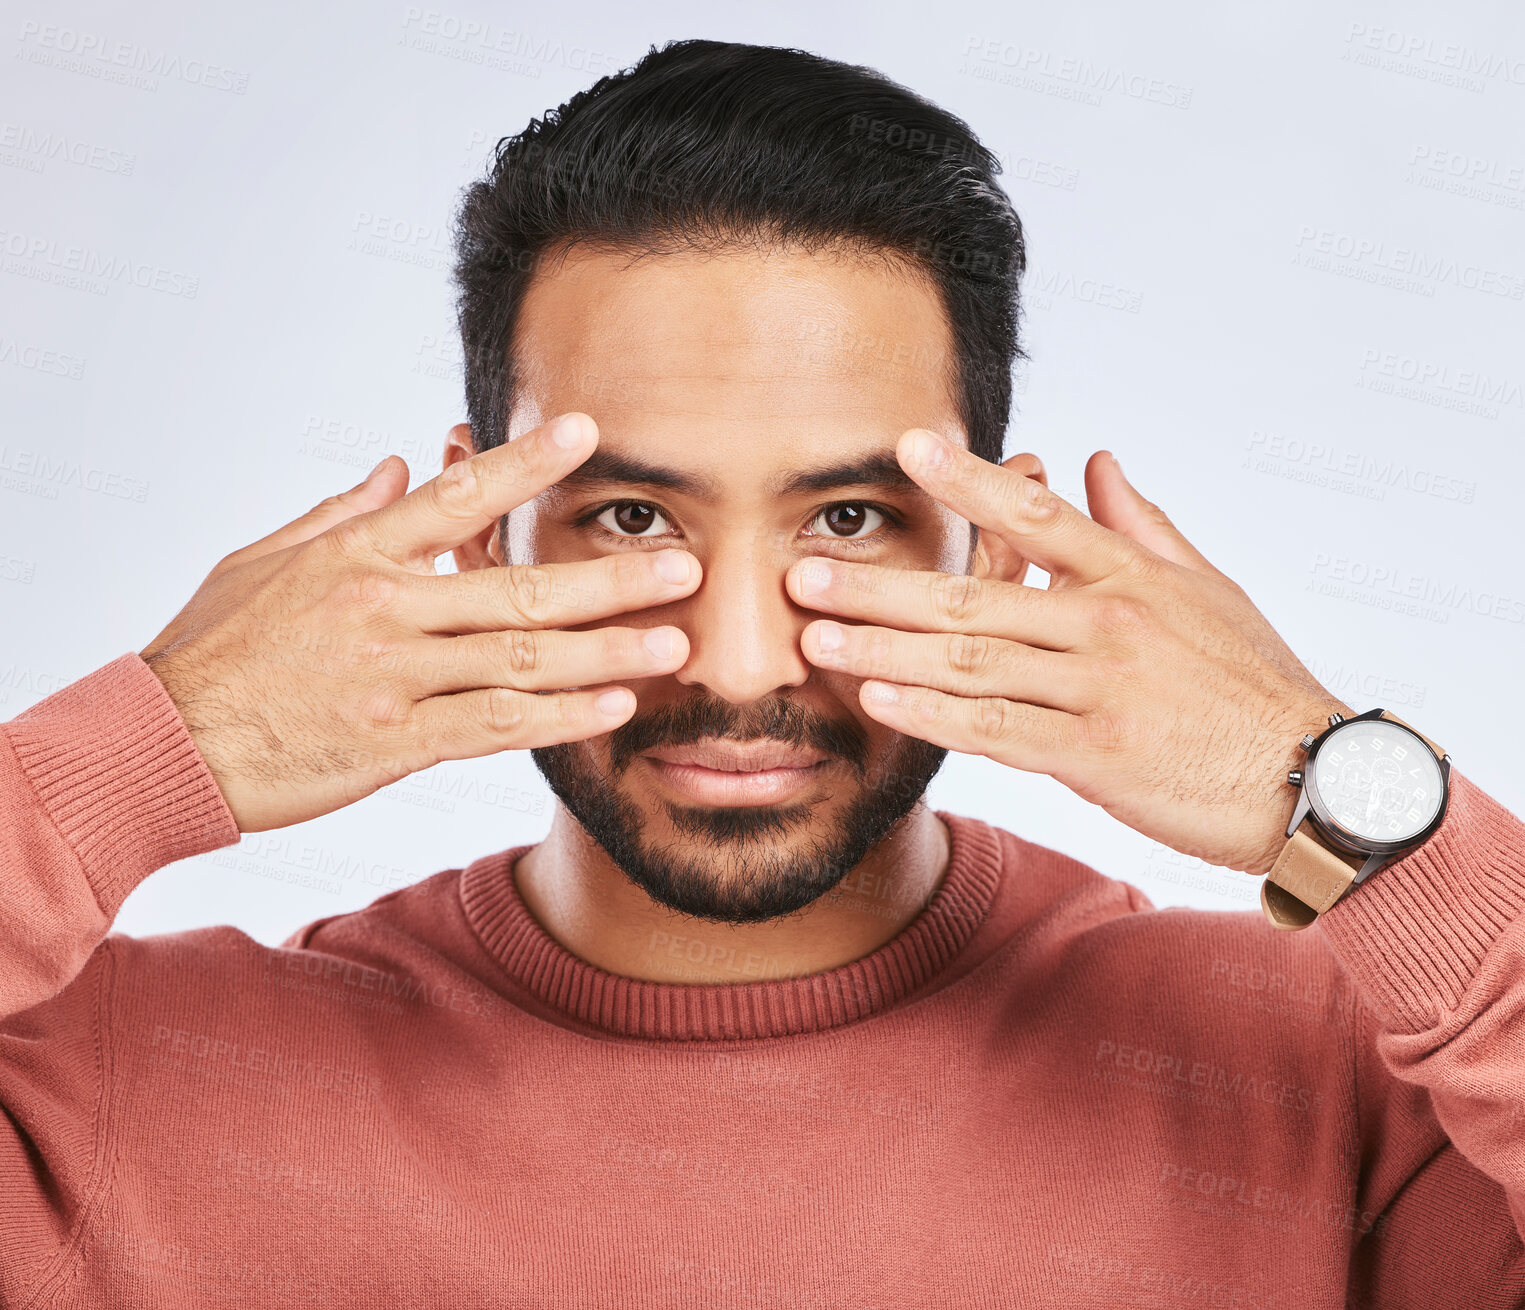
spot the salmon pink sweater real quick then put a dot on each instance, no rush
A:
(1042, 1092)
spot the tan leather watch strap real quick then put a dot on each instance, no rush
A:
(1393, 718)
(1309, 876)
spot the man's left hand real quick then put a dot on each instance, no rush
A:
(1142, 678)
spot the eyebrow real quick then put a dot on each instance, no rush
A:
(878, 469)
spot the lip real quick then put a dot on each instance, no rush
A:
(716, 772)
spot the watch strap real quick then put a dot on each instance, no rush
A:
(1393, 718)
(1307, 878)
(1309, 875)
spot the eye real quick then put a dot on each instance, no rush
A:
(631, 518)
(849, 520)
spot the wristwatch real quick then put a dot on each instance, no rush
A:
(1371, 790)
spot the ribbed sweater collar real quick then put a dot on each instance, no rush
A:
(632, 1007)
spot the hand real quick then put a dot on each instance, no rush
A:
(1142, 678)
(329, 659)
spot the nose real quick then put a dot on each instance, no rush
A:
(743, 629)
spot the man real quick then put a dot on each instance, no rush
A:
(752, 1025)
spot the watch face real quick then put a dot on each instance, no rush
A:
(1377, 780)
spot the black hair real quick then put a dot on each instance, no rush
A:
(713, 144)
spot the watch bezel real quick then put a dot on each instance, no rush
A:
(1335, 831)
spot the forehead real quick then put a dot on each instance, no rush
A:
(736, 360)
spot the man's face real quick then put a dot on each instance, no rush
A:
(748, 407)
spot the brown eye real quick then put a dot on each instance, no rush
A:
(632, 518)
(849, 519)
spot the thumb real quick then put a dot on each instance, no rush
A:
(381, 486)
(1115, 503)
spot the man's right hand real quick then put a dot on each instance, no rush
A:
(330, 659)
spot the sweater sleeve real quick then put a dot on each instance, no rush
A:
(1435, 944)
(100, 784)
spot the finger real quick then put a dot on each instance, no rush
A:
(475, 492)
(960, 664)
(993, 557)
(551, 595)
(381, 486)
(926, 601)
(544, 661)
(1034, 521)
(470, 724)
(1029, 737)
(1116, 503)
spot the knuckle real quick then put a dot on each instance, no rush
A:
(1116, 670)
(534, 586)
(1033, 501)
(956, 598)
(1104, 731)
(969, 656)
(506, 710)
(521, 651)
(995, 716)
(460, 485)
(1146, 566)
(1120, 615)
(383, 709)
(350, 540)
(369, 593)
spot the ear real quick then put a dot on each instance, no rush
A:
(993, 558)
(481, 551)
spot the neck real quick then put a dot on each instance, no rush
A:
(587, 904)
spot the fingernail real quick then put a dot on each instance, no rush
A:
(673, 566)
(929, 451)
(567, 431)
(829, 636)
(881, 693)
(374, 471)
(613, 702)
(659, 641)
(814, 577)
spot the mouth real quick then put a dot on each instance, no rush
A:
(720, 772)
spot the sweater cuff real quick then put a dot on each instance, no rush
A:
(1415, 934)
(115, 766)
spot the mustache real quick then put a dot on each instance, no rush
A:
(776, 719)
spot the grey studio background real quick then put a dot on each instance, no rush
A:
(1277, 267)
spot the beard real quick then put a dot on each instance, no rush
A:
(748, 872)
